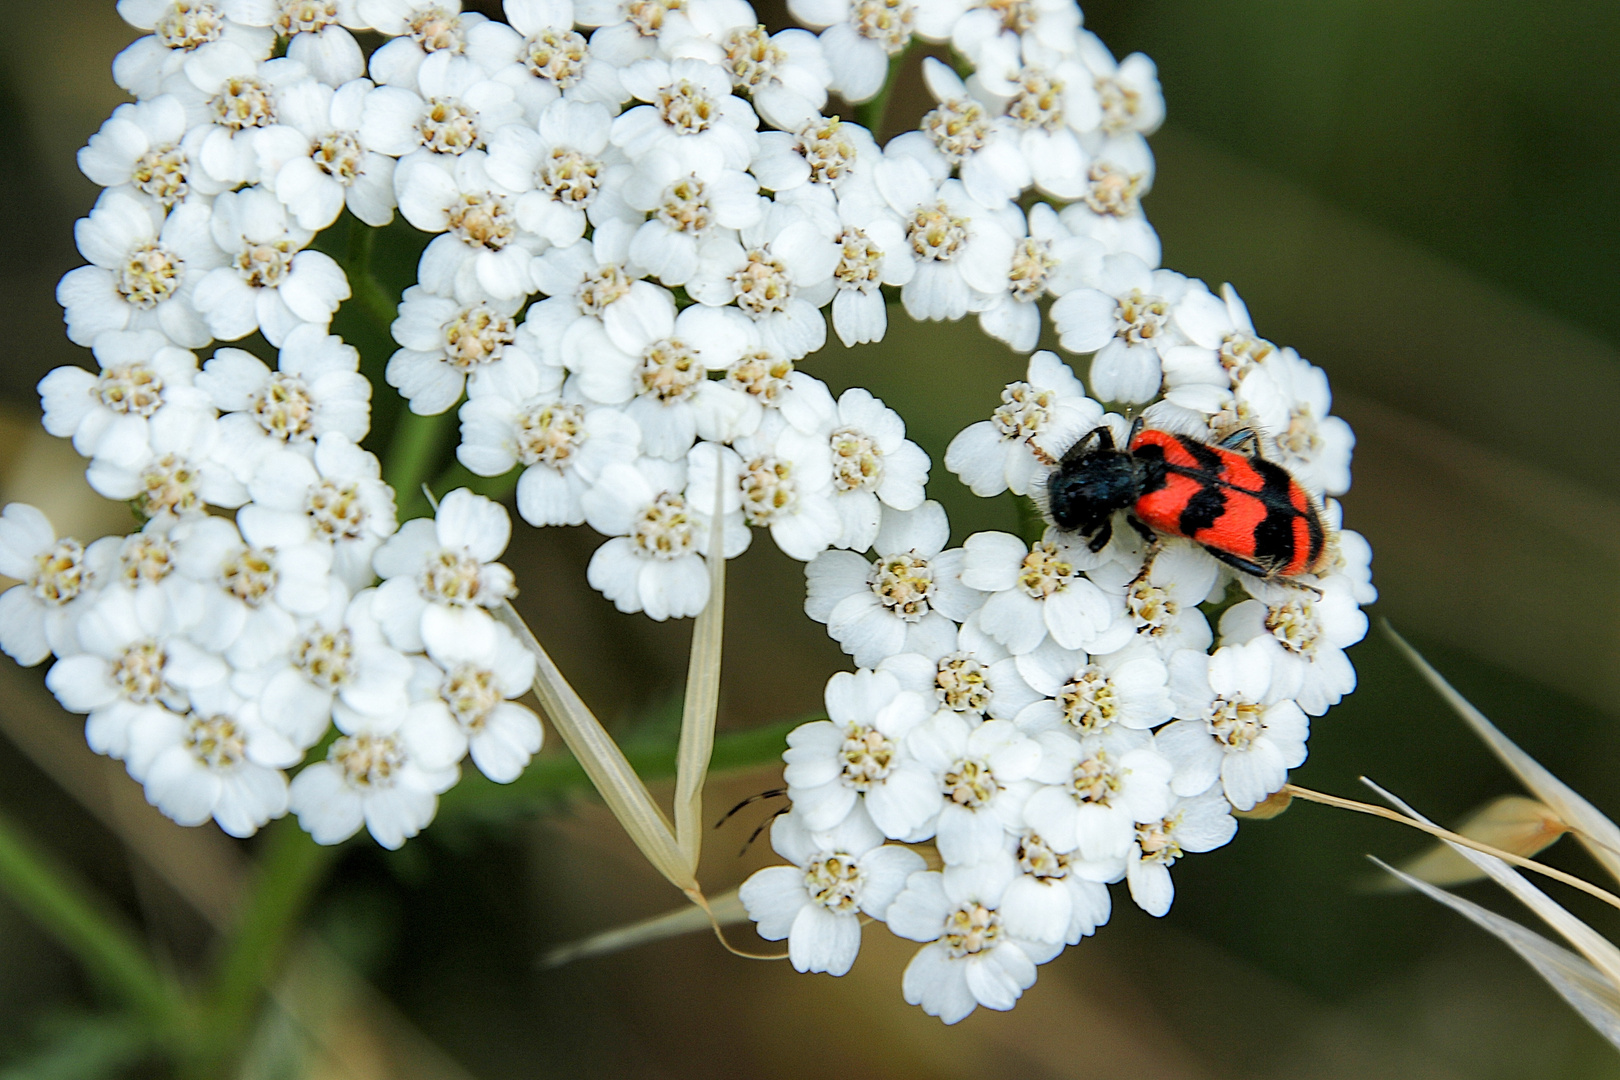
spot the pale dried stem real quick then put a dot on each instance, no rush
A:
(702, 693)
(626, 796)
(1456, 838)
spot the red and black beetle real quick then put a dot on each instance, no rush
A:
(1246, 511)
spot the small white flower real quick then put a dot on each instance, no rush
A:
(961, 134)
(903, 602)
(784, 74)
(690, 112)
(386, 776)
(1201, 823)
(1109, 211)
(483, 250)
(246, 599)
(338, 661)
(181, 31)
(447, 344)
(146, 145)
(220, 765)
(859, 755)
(819, 151)
(472, 685)
(238, 96)
(1091, 694)
(1039, 418)
(333, 167)
(654, 362)
(1163, 603)
(971, 958)
(982, 772)
(563, 448)
(186, 472)
(873, 463)
(1311, 632)
(55, 581)
(976, 678)
(873, 252)
(144, 383)
(543, 57)
(555, 171)
(271, 283)
(779, 479)
(1037, 590)
(440, 576)
(837, 876)
(1096, 788)
(1046, 262)
(420, 29)
(316, 388)
(653, 562)
(779, 273)
(145, 266)
(1132, 103)
(317, 32)
(334, 496)
(683, 211)
(1235, 727)
(133, 664)
(859, 38)
(457, 110)
(1128, 320)
(963, 249)
(631, 30)
(582, 281)
(1056, 897)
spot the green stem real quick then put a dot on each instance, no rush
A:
(869, 114)
(288, 874)
(362, 282)
(412, 453)
(82, 925)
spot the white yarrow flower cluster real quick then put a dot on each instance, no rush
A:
(643, 214)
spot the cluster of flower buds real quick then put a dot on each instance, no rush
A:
(641, 211)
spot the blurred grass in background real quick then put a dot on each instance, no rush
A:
(1420, 196)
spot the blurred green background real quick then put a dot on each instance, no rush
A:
(1421, 196)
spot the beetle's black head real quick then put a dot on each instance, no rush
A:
(1087, 488)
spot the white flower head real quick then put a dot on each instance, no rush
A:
(1162, 597)
(1056, 897)
(448, 345)
(148, 146)
(1237, 730)
(543, 58)
(334, 496)
(206, 764)
(1047, 261)
(1201, 823)
(859, 755)
(557, 169)
(982, 771)
(683, 211)
(271, 283)
(183, 33)
(654, 561)
(422, 30)
(837, 876)
(690, 111)
(1129, 320)
(963, 248)
(144, 383)
(1039, 418)
(859, 38)
(54, 579)
(1096, 788)
(386, 776)
(144, 268)
(779, 479)
(1037, 590)
(440, 577)
(778, 272)
(1089, 694)
(333, 166)
(971, 957)
(961, 134)
(905, 601)
(473, 685)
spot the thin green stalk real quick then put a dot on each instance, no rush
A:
(413, 452)
(870, 114)
(362, 282)
(81, 923)
(289, 872)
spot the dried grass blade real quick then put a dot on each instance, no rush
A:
(1577, 982)
(1592, 945)
(603, 761)
(702, 693)
(1515, 823)
(727, 909)
(1592, 827)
